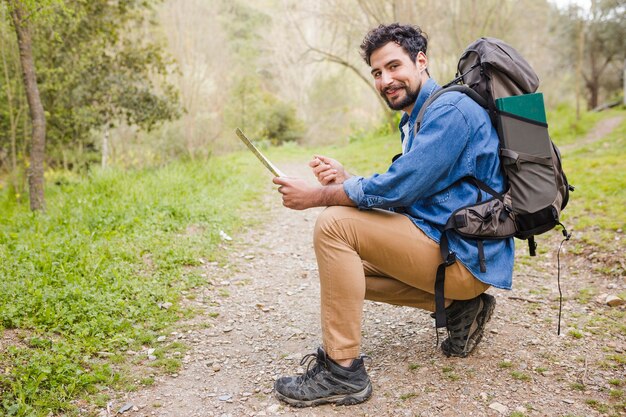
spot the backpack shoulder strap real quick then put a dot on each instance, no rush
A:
(463, 88)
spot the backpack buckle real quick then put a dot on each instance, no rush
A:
(450, 259)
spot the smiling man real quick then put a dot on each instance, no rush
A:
(379, 237)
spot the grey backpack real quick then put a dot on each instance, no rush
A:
(498, 78)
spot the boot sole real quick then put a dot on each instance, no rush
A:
(482, 318)
(344, 399)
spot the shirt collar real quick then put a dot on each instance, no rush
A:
(428, 88)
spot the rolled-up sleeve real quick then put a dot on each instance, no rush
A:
(425, 167)
(353, 189)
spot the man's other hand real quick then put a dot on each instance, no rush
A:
(328, 170)
(297, 193)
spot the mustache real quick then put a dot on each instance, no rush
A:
(393, 87)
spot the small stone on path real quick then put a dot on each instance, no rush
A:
(500, 408)
(614, 301)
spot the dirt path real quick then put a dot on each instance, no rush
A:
(600, 130)
(260, 316)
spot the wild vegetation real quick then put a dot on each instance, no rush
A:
(141, 184)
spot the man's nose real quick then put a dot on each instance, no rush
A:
(386, 78)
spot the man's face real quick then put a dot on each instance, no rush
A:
(397, 78)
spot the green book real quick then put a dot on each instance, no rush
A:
(529, 106)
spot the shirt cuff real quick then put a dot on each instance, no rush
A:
(354, 190)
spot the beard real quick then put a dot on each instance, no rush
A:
(409, 98)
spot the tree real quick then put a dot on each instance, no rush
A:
(599, 39)
(102, 65)
(86, 67)
(341, 24)
(198, 43)
(253, 102)
(19, 11)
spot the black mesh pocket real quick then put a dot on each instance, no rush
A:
(536, 223)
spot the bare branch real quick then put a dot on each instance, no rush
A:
(330, 57)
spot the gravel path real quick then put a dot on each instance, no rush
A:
(259, 316)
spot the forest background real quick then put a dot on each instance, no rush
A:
(131, 139)
(133, 83)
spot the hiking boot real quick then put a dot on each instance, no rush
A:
(466, 324)
(325, 382)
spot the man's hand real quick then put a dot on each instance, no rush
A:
(300, 195)
(328, 170)
(297, 193)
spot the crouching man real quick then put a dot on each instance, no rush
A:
(379, 237)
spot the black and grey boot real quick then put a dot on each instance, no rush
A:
(466, 324)
(324, 381)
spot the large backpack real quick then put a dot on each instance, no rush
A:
(489, 70)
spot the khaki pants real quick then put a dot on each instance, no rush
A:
(381, 256)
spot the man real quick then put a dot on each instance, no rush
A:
(379, 237)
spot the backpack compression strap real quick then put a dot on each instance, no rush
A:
(465, 89)
(449, 258)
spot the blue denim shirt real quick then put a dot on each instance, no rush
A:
(456, 139)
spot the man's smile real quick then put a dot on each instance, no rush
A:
(393, 91)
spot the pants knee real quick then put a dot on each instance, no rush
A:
(327, 220)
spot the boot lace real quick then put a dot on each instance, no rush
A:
(313, 366)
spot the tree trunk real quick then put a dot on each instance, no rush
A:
(105, 146)
(38, 139)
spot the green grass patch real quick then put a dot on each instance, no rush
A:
(585, 295)
(618, 358)
(362, 154)
(597, 405)
(520, 376)
(450, 373)
(565, 129)
(576, 334)
(408, 396)
(577, 386)
(505, 364)
(596, 208)
(82, 283)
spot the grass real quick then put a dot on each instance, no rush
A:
(450, 373)
(408, 396)
(520, 376)
(596, 207)
(576, 334)
(565, 129)
(82, 283)
(505, 364)
(594, 214)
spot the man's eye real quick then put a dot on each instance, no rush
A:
(377, 75)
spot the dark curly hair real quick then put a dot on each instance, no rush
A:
(410, 38)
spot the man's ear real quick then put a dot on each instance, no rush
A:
(421, 60)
